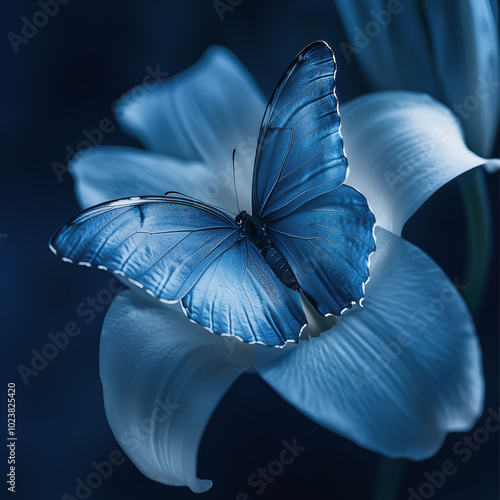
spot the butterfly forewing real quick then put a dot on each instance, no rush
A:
(323, 228)
(300, 152)
(163, 244)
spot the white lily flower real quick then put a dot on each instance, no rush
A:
(394, 376)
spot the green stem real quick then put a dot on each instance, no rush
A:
(390, 479)
(479, 241)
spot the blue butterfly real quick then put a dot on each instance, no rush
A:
(240, 276)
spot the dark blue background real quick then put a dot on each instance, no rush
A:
(64, 80)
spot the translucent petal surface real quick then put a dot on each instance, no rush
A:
(464, 40)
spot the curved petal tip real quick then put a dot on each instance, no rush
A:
(163, 377)
(402, 147)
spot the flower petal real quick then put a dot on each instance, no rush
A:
(402, 147)
(106, 173)
(446, 49)
(163, 377)
(464, 39)
(202, 114)
(398, 374)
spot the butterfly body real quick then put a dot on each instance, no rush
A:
(253, 228)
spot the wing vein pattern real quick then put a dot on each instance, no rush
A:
(327, 243)
(301, 126)
(178, 249)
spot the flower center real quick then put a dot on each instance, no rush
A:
(316, 322)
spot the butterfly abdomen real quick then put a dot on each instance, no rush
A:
(253, 228)
(279, 266)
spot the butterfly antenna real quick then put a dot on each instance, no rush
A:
(234, 182)
(199, 201)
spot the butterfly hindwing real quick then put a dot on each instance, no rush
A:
(327, 243)
(300, 152)
(239, 294)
